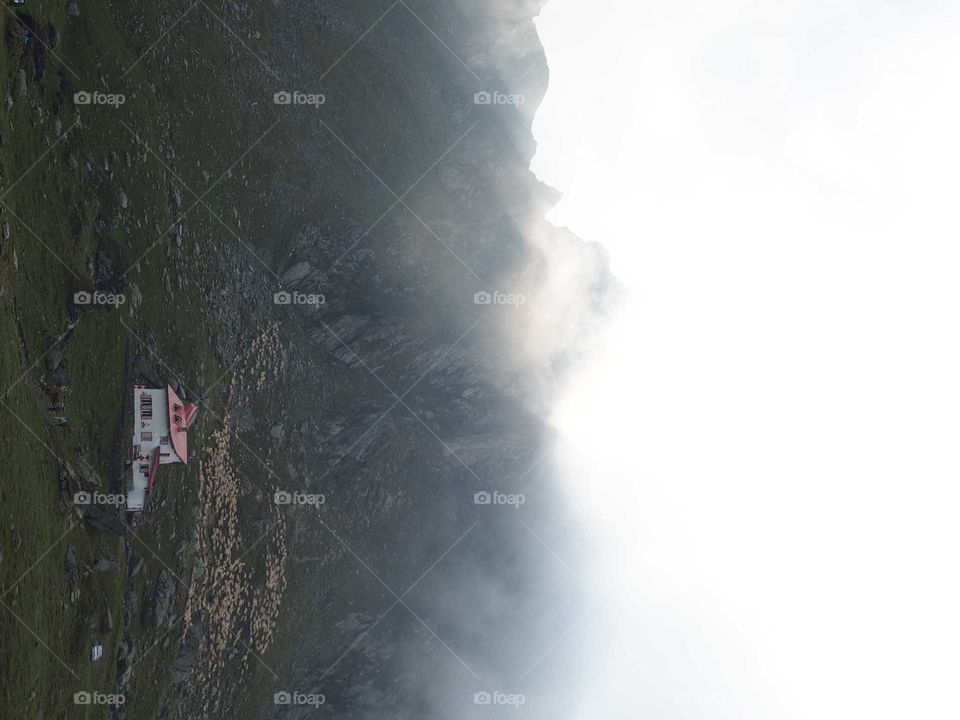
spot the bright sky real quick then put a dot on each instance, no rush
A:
(767, 439)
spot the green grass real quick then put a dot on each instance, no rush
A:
(45, 658)
(196, 114)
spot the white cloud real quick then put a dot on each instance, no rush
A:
(771, 427)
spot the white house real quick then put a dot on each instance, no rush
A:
(160, 423)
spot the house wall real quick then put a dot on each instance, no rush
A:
(151, 429)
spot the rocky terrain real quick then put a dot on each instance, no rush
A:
(320, 220)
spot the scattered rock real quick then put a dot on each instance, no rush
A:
(165, 594)
(67, 487)
(73, 573)
(104, 565)
(54, 359)
(102, 268)
(70, 561)
(127, 651)
(101, 521)
(131, 601)
(136, 298)
(84, 467)
(73, 8)
(296, 273)
(187, 656)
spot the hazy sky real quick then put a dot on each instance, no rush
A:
(772, 426)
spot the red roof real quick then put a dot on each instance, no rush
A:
(154, 464)
(182, 416)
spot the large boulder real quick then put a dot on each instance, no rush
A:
(101, 521)
(296, 273)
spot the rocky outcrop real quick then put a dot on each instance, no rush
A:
(426, 400)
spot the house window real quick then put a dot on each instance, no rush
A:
(146, 436)
(164, 439)
(146, 406)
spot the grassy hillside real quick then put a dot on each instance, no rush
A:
(144, 162)
(92, 197)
